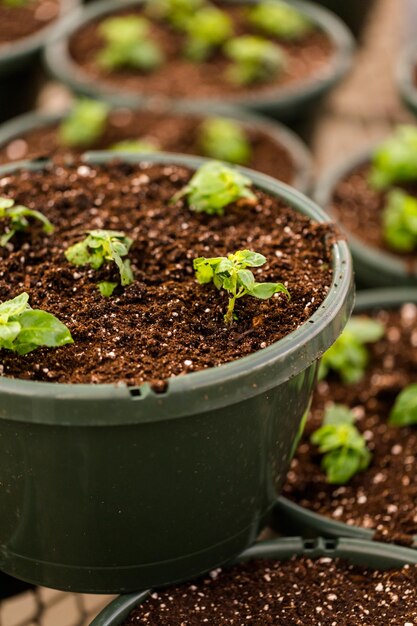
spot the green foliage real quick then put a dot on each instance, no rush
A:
(230, 273)
(85, 124)
(279, 20)
(348, 356)
(106, 288)
(17, 219)
(399, 221)
(13, 3)
(100, 246)
(176, 12)
(395, 160)
(343, 446)
(207, 30)
(254, 59)
(23, 329)
(128, 44)
(225, 140)
(404, 411)
(213, 187)
(134, 145)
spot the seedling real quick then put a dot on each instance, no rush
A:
(23, 329)
(254, 60)
(100, 246)
(176, 12)
(404, 411)
(279, 20)
(85, 124)
(395, 161)
(349, 356)
(341, 443)
(230, 273)
(207, 30)
(128, 45)
(17, 219)
(224, 139)
(134, 145)
(399, 221)
(213, 187)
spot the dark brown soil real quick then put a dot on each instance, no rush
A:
(308, 59)
(170, 133)
(19, 22)
(299, 592)
(384, 496)
(165, 323)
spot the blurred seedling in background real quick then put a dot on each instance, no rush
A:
(399, 221)
(85, 124)
(225, 140)
(135, 146)
(207, 30)
(16, 217)
(176, 12)
(253, 60)
(395, 160)
(279, 20)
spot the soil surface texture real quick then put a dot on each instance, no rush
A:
(307, 59)
(384, 496)
(165, 323)
(17, 22)
(298, 592)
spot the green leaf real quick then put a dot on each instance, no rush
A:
(85, 124)
(16, 215)
(225, 140)
(134, 145)
(395, 160)
(176, 12)
(106, 289)
(247, 279)
(365, 329)
(8, 333)
(253, 60)
(338, 414)
(341, 465)
(207, 30)
(14, 307)
(404, 411)
(279, 19)
(247, 258)
(399, 221)
(264, 291)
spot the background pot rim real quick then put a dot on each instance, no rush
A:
(405, 77)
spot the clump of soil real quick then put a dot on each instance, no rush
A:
(169, 133)
(22, 21)
(297, 592)
(384, 496)
(165, 323)
(309, 58)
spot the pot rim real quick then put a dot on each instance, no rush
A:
(217, 386)
(405, 79)
(65, 69)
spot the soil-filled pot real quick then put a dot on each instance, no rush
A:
(347, 195)
(274, 149)
(285, 98)
(407, 78)
(283, 582)
(11, 586)
(390, 513)
(115, 487)
(354, 13)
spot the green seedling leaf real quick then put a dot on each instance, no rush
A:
(16, 218)
(279, 20)
(134, 145)
(106, 289)
(404, 411)
(253, 60)
(85, 124)
(207, 30)
(395, 160)
(230, 273)
(213, 187)
(176, 12)
(225, 140)
(399, 221)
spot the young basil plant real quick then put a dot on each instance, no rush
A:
(207, 30)
(99, 247)
(134, 145)
(399, 221)
(279, 19)
(176, 12)
(213, 187)
(341, 443)
(23, 329)
(225, 140)
(395, 160)
(85, 124)
(404, 411)
(230, 273)
(17, 215)
(127, 44)
(348, 356)
(253, 60)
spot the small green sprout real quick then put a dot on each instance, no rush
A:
(279, 19)
(404, 411)
(134, 145)
(176, 12)
(85, 124)
(395, 160)
(100, 246)
(213, 187)
(207, 30)
(225, 140)
(399, 221)
(106, 288)
(17, 217)
(254, 60)
(348, 356)
(230, 273)
(128, 45)
(23, 329)
(343, 446)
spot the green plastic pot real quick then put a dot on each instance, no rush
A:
(406, 72)
(373, 267)
(300, 155)
(109, 488)
(366, 553)
(284, 103)
(353, 12)
(291, 517)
